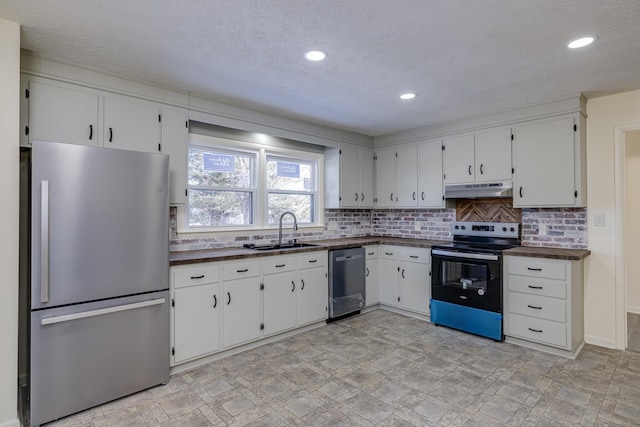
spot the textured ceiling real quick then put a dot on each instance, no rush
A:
(462, 57)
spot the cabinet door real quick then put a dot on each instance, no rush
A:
(389, 281)
(415, 286)
(367, 178)
(493, 155)
(62, 114)
(430, 181)
(459, 160)
(279, 302)
(313, 295)
(372, 282)
(545, 164)
(386, 177)
(407, 176)
(240, 311)
(196, 321)
(173, 135)
(131, 124)
(349, 176)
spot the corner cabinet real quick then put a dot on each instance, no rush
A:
(349, 177)
(544, 304)
(549, 161)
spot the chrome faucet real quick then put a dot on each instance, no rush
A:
(295, 226)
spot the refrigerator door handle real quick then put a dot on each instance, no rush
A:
(44, 243)
(93, 313)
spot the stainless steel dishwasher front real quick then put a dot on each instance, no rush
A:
(346, 281)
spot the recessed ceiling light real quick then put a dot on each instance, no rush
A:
(315, 55)
(408, 95)
(581, 42)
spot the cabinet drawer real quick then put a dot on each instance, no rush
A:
(421, 255)
(540, 330)
(537, 267)
(388, 251)
(542, 307)
(278, 264)
(241, 269)
(536, 286)
(195, 274)
(371, 251)
(312, 259)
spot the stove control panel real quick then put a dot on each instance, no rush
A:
(487, 229)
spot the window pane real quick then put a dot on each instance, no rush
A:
(209, 208)
(283, 174)
(219, 169)
(300, 204)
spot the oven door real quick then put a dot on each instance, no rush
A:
(469, 279)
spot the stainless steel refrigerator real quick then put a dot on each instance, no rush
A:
(94, 277)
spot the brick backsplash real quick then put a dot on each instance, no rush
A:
(566, 228)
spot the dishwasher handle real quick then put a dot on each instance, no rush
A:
(348, 258)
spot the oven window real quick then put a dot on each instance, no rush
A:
(461, 275)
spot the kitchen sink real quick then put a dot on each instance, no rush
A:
(277, 246)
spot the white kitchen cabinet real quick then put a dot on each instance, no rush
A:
(131, 124)
(406, 175)
(404, 278)
(173, 137)
(241, 304)
(389, 270)
(349, 176)
(459, 159)
(386, 195)
(60, 112)
(549, 157)
(279, 294)
(544, 304)
(313, 295)
(196, 321)
(372, 276)
(430, 174)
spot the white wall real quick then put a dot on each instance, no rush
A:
(605, 114)
(9, 183)
(632, 222)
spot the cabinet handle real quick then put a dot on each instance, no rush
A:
(293, 286)
(413, 256)
(414, 195)
(313, 260)
(356, 197)
(197, 277)
(362, 197)
(215, 301)
(371, 253)
(302, 288)
(367, 271)
(402, 274)
(90, 132)
(422, 195)
(481, 169)
(536, 330)
(520, 191)
(534, 269)
(392, 197)
(242, 271)
(110, 134)
(388, 253)
(280, 265)
(535, 287)
(534, 307)
(469, 169)
(228, 298)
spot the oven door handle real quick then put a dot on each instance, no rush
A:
(488, 257)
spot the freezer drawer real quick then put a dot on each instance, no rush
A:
(88, 354)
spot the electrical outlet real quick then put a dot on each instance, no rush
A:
(542, 230)
(598, 220)
(417, 226)
(333, 226)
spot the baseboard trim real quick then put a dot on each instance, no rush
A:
(635, 309)
(11, 423)
(600, 342)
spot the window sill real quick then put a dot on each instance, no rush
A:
(286, 229)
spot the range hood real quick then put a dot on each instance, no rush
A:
(475, 191)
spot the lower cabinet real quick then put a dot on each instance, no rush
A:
(240, 311)
(544, 303)
(372, 276)
(404, 277)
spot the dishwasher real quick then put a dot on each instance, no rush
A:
(346, 282)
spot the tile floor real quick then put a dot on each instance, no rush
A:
(381, 368)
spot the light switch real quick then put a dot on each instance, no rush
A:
(542, 229)
(598, 220)
(417, 225)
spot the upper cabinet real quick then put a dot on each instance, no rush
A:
(386, 196)
(349, 177)
(549, 158)
(74, 114)
(59, 112)
(481, 157)
(430, 175)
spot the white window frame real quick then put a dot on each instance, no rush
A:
(260, 213)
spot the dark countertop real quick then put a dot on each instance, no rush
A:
(552, 253)
(225, 254)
